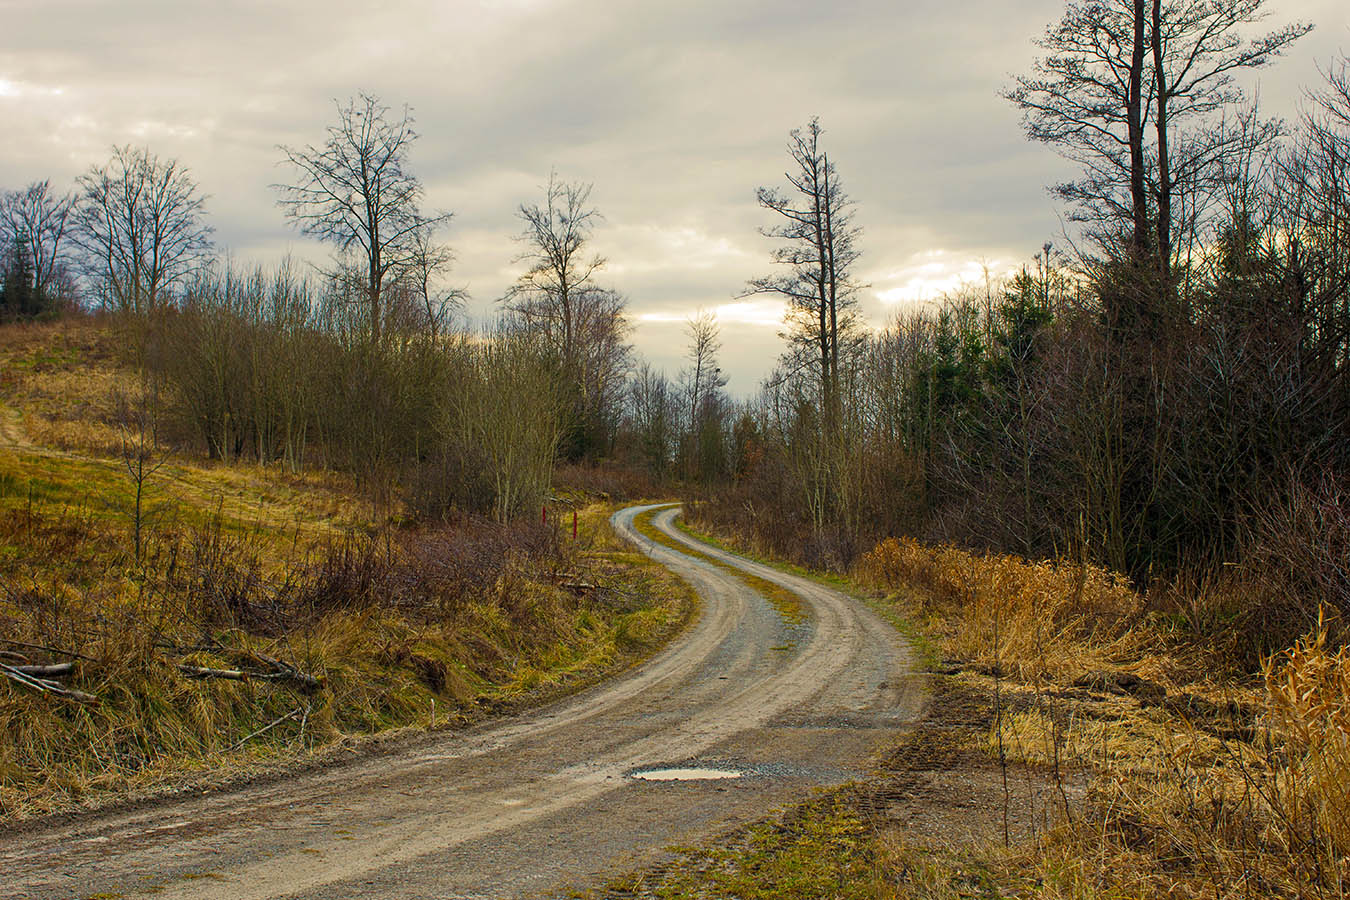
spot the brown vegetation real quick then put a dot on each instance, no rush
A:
(1202, 780)
(267, 613)
(1080, 743)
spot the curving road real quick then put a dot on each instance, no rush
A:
(535, 804)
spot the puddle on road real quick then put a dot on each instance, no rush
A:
(686, 774)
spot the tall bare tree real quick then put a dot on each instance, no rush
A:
(1197, 46)
(817, 257)
(704, 374)
(39, 220)
(356, 193)
(561, 274)
(705, 455)
(1113, 68)
(557, 297)
(139, 221)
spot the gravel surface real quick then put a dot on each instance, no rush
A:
(536, 804)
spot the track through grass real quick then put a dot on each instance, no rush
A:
(787, 604)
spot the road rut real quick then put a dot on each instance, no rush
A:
(536, 804)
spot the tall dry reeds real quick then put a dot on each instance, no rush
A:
(1207, 783)
(1036, 615)
(1309, 692)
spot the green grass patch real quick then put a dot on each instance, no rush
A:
(821, 849)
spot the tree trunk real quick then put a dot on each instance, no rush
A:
(1135, 126)
(1164, 248)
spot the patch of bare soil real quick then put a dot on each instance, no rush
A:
(11, 430)
(945, 787)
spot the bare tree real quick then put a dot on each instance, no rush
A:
(1115, 67)
(557, 298)
(427, 264)
(139, 221)
(39, 220)
(704, 375)
(560, 276)
(705, 455)
(818, 256)
(355, 192)
(142, 456)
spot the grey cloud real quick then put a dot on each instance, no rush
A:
(675, 110)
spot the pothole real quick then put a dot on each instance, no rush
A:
(693, 774)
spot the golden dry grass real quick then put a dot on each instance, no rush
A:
(1039, 618)
(388, 652)
(1202, 784)
(240, 560)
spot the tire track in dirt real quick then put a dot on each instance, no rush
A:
(531, 804)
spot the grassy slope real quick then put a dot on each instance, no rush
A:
(241, 561)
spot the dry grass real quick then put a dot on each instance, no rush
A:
(1148, 754)
(457, 619)
(63, 380)
(243, 563)
(1309, 691)
(1203, 783)
(1039, 619)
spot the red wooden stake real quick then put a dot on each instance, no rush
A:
(543, 515)
(574, 524)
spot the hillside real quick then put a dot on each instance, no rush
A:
(265, 616)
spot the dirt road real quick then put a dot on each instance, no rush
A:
(531, 805)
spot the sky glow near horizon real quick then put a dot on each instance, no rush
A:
(675, 112)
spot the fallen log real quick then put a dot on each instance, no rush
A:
(56, 670)
(44, 686)
(290, 672)
(308, 682)
(229, 674)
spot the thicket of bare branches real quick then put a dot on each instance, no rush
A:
(139, 222)
(1033, 415)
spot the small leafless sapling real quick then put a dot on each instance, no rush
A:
(142, 458)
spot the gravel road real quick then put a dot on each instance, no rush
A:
(535, 804)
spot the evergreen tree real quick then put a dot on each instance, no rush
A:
(18, 297)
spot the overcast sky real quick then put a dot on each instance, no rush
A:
(675, 111)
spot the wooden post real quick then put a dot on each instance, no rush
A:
(574, 524)
(543, 515)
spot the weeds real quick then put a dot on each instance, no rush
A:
(1201, 782)
(387, 624)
